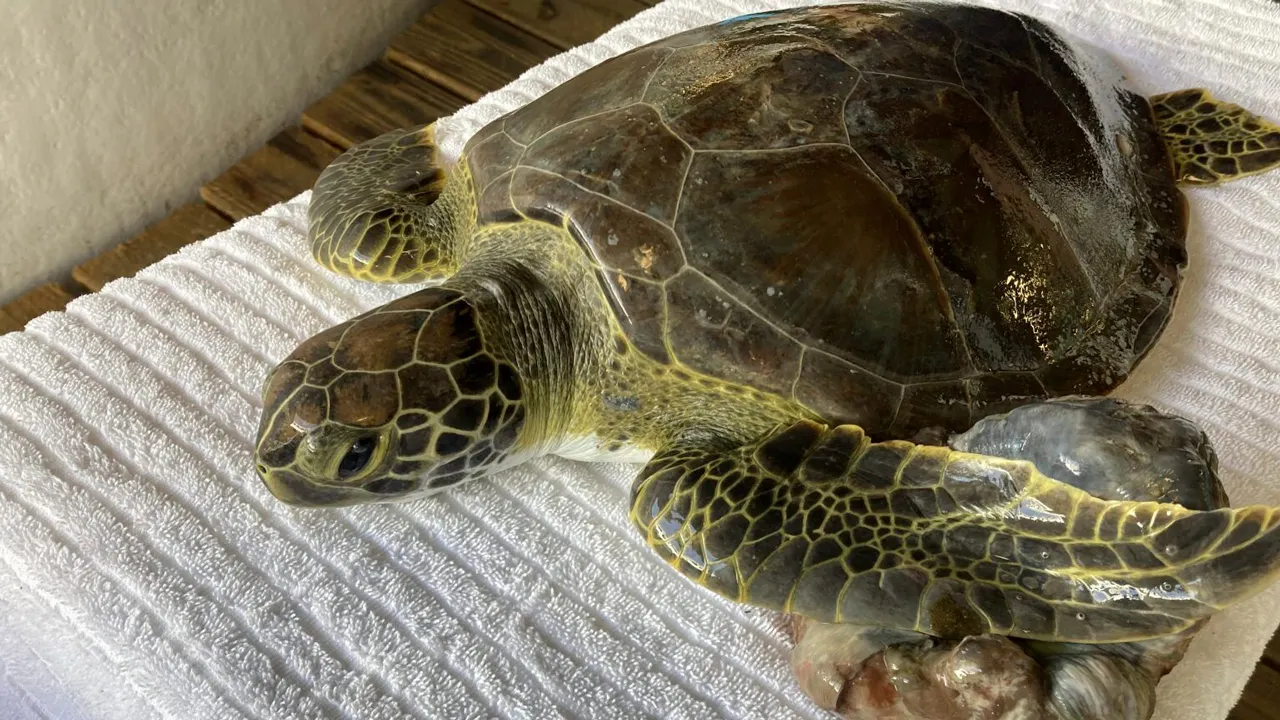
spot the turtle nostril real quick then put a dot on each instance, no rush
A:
(262, 469)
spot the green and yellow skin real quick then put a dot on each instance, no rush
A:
(586, 303)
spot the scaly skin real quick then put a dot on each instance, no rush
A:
(823, 523)
(1213, 141)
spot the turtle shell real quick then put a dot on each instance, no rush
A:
(901, 216)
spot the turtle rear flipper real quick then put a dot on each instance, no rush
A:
(821, 522)
(1213, 141)
(867, 672)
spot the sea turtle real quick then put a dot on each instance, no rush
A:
(781, 259)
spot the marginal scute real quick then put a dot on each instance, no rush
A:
(489, 157)
(1136, 318)
(493, 201)
(609, 85)
(844, 393)
(925, 404)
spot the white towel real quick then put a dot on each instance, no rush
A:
(146, 573)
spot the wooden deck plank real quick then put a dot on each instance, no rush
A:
(466, 50)
(1261, 698)
(380, 98)
(563, 23)
(1272, 655)
(39, 300)
(284, 167)
(189, 223)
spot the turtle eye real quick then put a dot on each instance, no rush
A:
(357, 457)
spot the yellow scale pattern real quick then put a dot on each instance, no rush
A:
(1215, 140)
(824, 523)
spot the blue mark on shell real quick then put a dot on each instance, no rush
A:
(749, 16)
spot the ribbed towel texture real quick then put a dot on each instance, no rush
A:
(146, 573)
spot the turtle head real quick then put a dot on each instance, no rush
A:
(395, 404)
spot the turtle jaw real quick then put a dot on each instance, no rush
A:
(293, 489)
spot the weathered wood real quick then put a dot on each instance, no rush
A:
(189, 223)
(380, 98)
(1261, 698)
(284, 167)
(563, 23)
(32, 304)
(467, 50)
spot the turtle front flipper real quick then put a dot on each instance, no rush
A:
(1213, 141)
(381, 211)
(822, 522)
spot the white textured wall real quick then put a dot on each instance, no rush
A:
(114, 111)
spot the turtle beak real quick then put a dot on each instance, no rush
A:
(293, 489)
